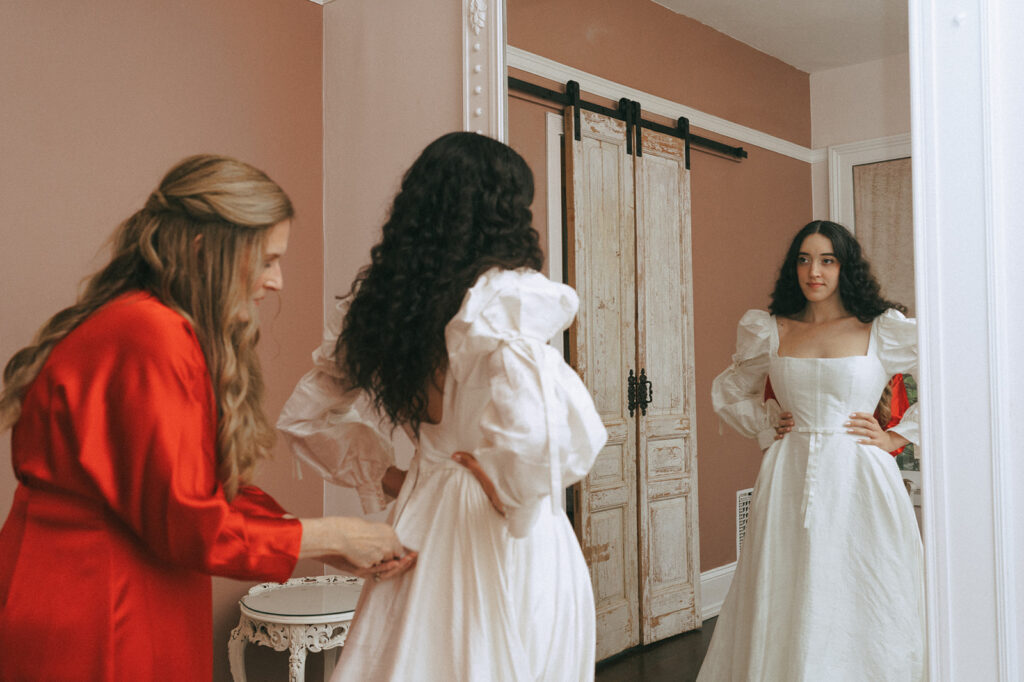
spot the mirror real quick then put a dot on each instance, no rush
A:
(743, 212)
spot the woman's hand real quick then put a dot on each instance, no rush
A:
(784, 426)
(378, 572)
(392, 481)
(355, 545)
(469, 461)
(865, 425)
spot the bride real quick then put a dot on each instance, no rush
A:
(830, 583)
(445, 337)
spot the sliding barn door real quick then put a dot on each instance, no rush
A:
(602, 345)
(666, 451)
(628, 225)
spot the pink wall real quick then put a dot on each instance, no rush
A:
(392, 84)
(861, 102)
(743, 213)
(99, 100)
(651, 48)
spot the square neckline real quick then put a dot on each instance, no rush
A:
(774, 345)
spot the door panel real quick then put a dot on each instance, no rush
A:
(668, 538)
(602, 342)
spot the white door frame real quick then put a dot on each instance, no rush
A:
(841, 160)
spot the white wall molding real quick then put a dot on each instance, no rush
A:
(841, 160)
(602, 87)
(484, 84)
(714, 585)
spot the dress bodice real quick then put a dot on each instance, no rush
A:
(822, 392)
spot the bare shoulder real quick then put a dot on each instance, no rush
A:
(833, 338)
(854, 325)
(786, 325)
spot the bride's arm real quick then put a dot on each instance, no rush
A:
(337, 430)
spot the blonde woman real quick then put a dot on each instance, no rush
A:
(136, 425)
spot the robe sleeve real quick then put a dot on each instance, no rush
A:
(144, 418)
(254, 502)
(335, 430)
(897, 349)
(540, 429)
(737, 394)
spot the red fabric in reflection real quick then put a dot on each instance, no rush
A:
(118, 519)
(898, 404)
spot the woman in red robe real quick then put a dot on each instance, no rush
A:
(136, 424)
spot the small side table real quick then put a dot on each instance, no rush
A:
(302, 614)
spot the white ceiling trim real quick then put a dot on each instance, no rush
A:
(602, 87)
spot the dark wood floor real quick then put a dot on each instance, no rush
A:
(676, 659)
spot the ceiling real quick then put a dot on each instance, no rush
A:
(812, 35)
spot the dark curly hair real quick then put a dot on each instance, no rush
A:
(858, 288)
(463, 208)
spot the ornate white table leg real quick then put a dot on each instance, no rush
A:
(236, 649)
(330, 660)
(297, 655)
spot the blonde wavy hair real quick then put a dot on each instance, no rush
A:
(196, 246)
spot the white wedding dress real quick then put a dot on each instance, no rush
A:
(829, 584)
(490, 598)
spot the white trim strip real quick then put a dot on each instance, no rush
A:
(1003, 497)
(553, 126)
(602, 87)
(714, 586)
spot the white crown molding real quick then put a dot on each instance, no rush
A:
(841, 160)
(819, 155)
(484, 84)
(602, 87)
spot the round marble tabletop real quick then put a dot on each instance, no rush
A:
(303, 603)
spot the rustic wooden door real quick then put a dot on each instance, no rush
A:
(599, 203)
(628, 227)
(666, 449)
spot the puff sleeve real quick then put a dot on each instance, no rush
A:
(897, 349)
(737, 393)
(336, 430)
(539, 428)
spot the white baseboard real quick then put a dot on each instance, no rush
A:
(714, 585)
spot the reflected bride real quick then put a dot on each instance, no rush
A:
(829, 585)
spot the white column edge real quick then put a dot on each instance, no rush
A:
(484, 83)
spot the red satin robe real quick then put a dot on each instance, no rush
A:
(118, 520)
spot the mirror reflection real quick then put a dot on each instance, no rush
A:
(668, 244)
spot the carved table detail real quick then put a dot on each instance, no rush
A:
(300, 615)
